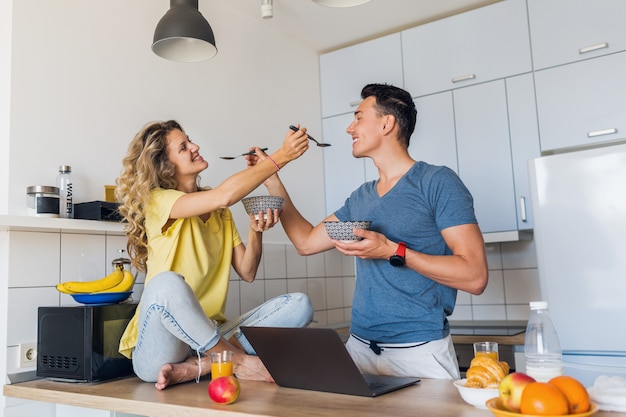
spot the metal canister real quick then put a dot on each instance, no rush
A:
(42, 201)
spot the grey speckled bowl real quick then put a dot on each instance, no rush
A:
(262, 203)
(343, 230)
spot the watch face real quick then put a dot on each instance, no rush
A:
(396, 261)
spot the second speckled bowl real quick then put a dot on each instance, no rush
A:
(343, 230)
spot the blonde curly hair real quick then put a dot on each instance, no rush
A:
(144, 168)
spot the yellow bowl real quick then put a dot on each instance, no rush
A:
(495, 406)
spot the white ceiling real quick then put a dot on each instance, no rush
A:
(327, 28)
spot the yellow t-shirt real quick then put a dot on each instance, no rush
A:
(199, 251)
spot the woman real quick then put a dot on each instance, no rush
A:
(184, 238)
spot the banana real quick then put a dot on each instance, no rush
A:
(125, 285)
(99, 285)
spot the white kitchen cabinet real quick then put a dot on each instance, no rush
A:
(485, 44)
(484, 152)
(582, 103)
(564, 31)
(343, 173)
(434, 139)
(344, 73)
(524, 137)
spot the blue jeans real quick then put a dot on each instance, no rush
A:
(173, 326)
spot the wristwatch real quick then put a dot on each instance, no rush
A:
(397, 259)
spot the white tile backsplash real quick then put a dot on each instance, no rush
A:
(334, 293)
(316, 289)
(462, 312)
(83, 257)
(274, 261)
(296, 264)
(494, 255)
(520, 254)
(348, 290)
(275, 287)
(488, 312)
(521, 286)
(315, 265)
(494, 293)
(39, 260)
(251, 294)
(332, 263)
(34, 259)
(22, 312)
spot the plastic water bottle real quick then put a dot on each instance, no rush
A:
(542, 349)
(66, 192)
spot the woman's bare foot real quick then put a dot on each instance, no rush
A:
(176, 373)
(251, 367)
(245, 367)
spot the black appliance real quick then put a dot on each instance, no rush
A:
(80, 343)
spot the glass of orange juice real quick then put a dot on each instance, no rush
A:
(489, 349)
(221, 364)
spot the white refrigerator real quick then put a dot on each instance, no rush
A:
(579, 204)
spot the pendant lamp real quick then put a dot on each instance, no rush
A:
(183, 34)
(340, 3)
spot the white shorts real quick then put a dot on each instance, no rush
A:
(435, 359)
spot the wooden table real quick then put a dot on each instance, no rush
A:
(432, 398)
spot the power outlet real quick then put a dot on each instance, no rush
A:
(28, 355)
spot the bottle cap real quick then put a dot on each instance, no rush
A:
(65, 168)
(538, 305)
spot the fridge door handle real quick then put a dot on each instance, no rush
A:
(522, 207)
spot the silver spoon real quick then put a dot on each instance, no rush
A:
(243, 154)
(320, 144)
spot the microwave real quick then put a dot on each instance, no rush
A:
(80, 343)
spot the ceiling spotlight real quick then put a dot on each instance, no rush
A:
(267, 9)
(183, 34)
(340, 3)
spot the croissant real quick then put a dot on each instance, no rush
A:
(485, 372)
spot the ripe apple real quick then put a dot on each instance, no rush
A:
(224, 390)
(511, 388)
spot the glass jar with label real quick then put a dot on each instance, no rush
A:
(42, 201)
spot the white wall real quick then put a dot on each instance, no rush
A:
(84, 81)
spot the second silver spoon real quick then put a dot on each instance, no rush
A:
(243, 154)
(320, 144)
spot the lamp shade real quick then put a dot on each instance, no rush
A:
(183, 34)
(340, 3)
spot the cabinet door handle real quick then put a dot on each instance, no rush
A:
(522, 206)
(463, 78)
(592, 48)
(601, 132)
(355, 103)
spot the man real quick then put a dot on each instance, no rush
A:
(423, 245)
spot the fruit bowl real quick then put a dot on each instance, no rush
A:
(343, 230)
(475, 396)
(262, 203)
(101, 298)
(495, 406)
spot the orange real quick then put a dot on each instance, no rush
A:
(543, 399)
(575, 392)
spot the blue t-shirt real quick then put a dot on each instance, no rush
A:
(399, 305)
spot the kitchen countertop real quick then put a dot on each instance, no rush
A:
(430, 397)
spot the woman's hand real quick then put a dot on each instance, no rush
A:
(261, 222)
(294, 145)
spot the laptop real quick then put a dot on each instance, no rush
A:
(316, 359)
